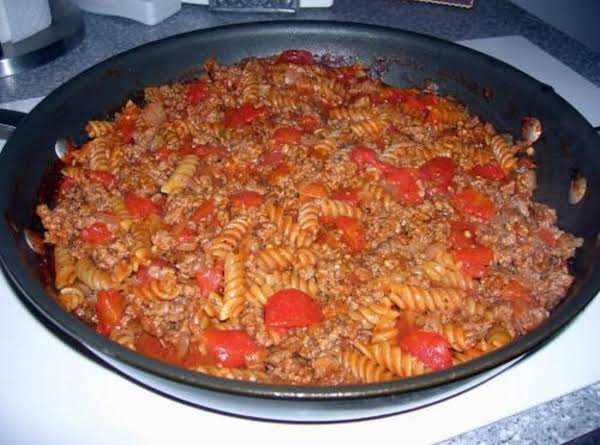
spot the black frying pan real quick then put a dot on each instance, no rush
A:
(492, 89)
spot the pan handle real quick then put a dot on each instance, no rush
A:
(9, 120)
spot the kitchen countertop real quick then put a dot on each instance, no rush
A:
(557, 421)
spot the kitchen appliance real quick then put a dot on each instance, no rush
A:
(420, 58)
(53, 30)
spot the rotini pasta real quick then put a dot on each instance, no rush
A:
(230, 237)
(93, 277)
(393, 359)
(65, 272)
(364, 369)
(182, 175)
(335, 208)
(234, 296)
(96, 129)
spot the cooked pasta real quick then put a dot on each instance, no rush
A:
(182, 175)
(335, 208)
(229, 238)
(364, 369)
(393, 359)
(92, 276)
(284, 221)
(503, 152)
(234, 296)
(96, 129)
(416, 298)
(65, 272)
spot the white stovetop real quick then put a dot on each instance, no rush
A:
(50, 394)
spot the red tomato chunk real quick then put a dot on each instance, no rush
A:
(210, 280)
(247, 198)
(230, 348)
(66, 184)
(97, 233)
(101, 177)
(206, 209)
(438, 172)
(196, 92)
(140, 207)
(244, 115)
(462, 234)
(350, 195)
(471, 202)
(157, 349)
(363, 156)
(403, 183)
(353, 232)
(110, 308)
(474, 260)
(274, 158)
(493, 172)
(287, 135)
(429, 347)
(291, 308)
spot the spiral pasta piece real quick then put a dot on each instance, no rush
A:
(77, 173)
(179, 179)
(305, 257)
(393, 359)
(249, 86)
(229, 238)
(289, 280)
(142, 232)
(416, 298)
(234, 295)
(448, 113)
(71, 298)
(503, 153)
(369, 129)
(373, 192)
(290, 230)
(65, 272)
(92, 276)
(282, 101)
(122, 270)
(497, 337)
(324, 147)
(121, 213)
(164, 288)
(308, 217)
(384, 334)
(99, 154)
(459, 357)
(459, 338)
(96, 129)
(335, 208)
(376, 314)
(181, 127)
(274, 258)
(259, 290)
(363, 368)
(326, 90)
(350, 114)
(446, 276)
(212, 306)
